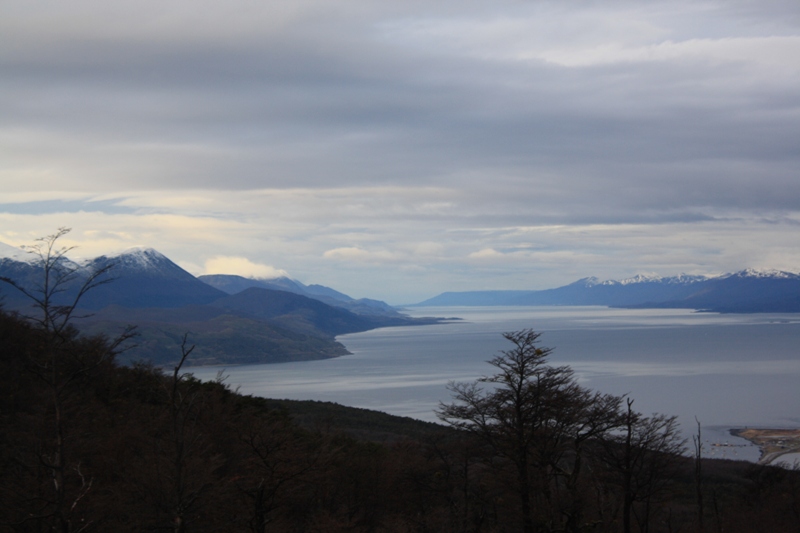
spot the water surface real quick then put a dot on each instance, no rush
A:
(725, 370)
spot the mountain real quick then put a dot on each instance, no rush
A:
(270, 323)
(295, 311)
(233, 284)
(140, 277)
(143, 277)
(24, 268)
(320, 291)
(15, 254)
(748, 291)
(23, 272)
(586, 291)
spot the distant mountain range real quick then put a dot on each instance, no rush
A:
(237, 320)
(230, 319)
(234, 284)
(748, 291)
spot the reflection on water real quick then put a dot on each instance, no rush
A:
(727, 370)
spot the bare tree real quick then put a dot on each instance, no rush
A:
(697, 440)
(61, 362)
(535, 416)
(645, 456)
(62, 286)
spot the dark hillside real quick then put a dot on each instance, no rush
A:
(223, 337)
(90, 446)
(363, 424)
(301, 312)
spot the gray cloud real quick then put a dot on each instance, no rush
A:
(671, 115)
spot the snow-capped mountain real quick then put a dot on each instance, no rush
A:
(255, 325)
(762, 274)
(141, 262)
(139, 258)
(680, 279)
(142, 277)
(745, 291)
(14, 253)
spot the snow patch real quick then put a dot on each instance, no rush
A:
(140, 258)
(16, 253)
(763, 274)
(680, 279)
(641, 278)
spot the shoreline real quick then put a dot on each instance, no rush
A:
(772, 442)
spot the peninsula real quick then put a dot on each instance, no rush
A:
(773, 443)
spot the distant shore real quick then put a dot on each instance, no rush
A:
(773, 443)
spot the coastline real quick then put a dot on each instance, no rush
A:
(772, 442)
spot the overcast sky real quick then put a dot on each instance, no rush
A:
(398, 149)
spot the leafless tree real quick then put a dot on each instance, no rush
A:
(536, 417)
(61, 362)
(62, 286)
(645, 457)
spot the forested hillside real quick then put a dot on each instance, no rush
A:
(87, 445)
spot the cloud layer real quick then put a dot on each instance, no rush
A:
(399, 149)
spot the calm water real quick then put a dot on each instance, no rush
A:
(726, 370)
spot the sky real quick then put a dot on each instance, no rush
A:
(399, 149)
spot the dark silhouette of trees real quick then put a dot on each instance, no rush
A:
(697, 440)
(537, 418)
(62, 362)
(281, 462)
(643, 459)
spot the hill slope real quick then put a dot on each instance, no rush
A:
(232, 284)
(145, 288)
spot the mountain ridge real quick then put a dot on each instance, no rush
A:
(233, 284)
(744, 291)
(146, 288)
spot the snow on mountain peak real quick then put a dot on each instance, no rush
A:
(762, 273)
(140, 258)
(680, 279)
(684, 279)
(16, 253)
(29, 255)
(641, 278)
